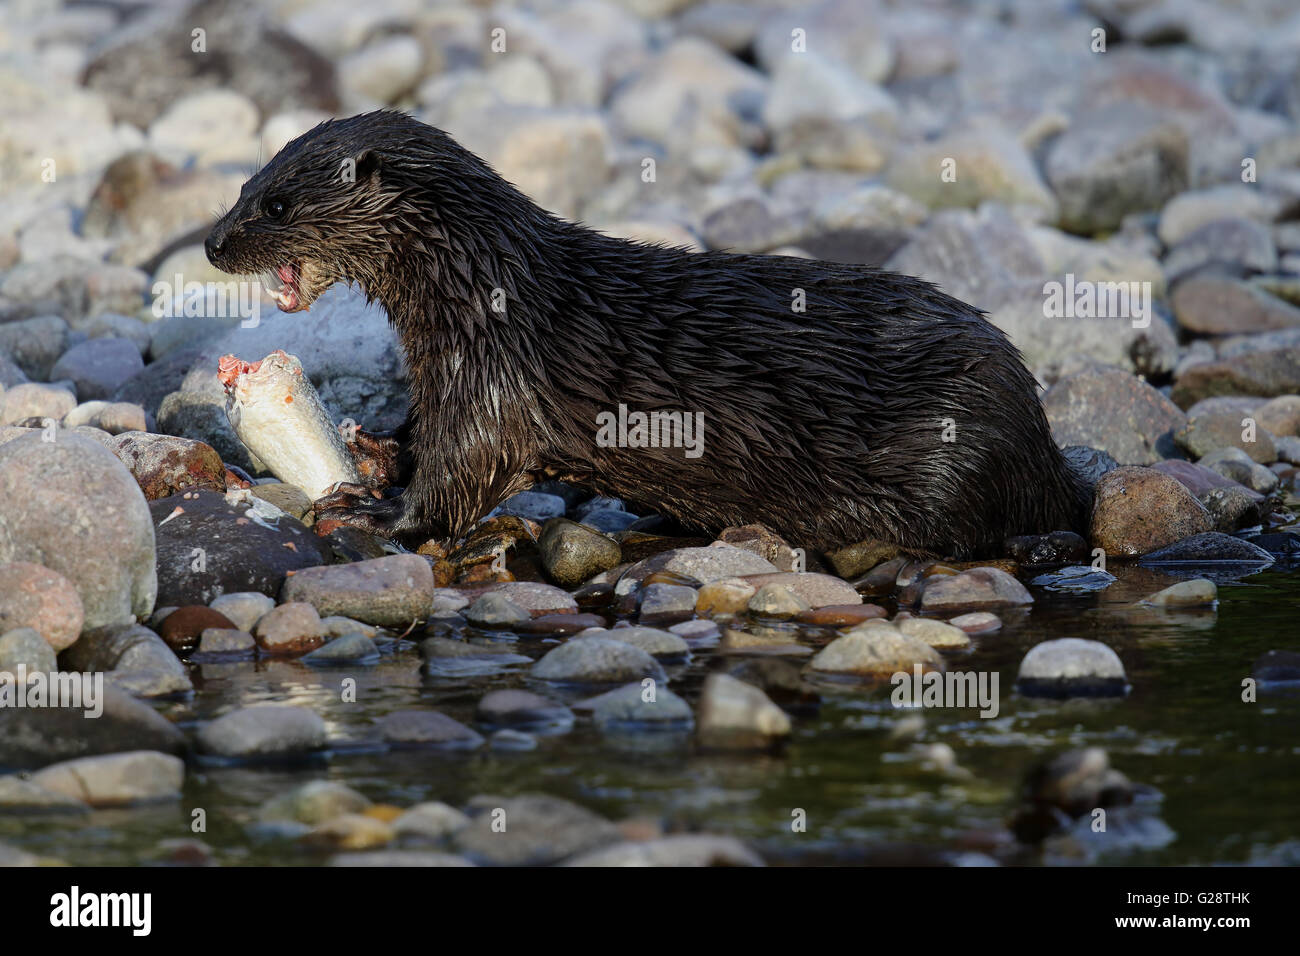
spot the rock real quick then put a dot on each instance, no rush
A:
(857, 559)
(348, 649)
(181, 629)
(1071, 784)
(98, 366)
(1055, 547)
(934, 633)
(24, 647)
(496, 611)
(427, 728)
(288, 498)
(22, 402)
(243, 608)
(513, 741)
(989, 164)
(217, 643)
(63, 500)
(116, 780)
(1217, 305)
(1109, 409)
(875, 650)
(1231, 507)
(1187, 212)
(147, 65)
(1211, 546)
(973, 590)
(1235, 465)
(1138, 510)
(1265, 373)
(350, 831)
(289, 630)
(522, 710)
(734, 715)
(429, 822)
(702, 564)
(164, 465)
(812, 88)
(626, 708)
(1197, 478)
(728, 596)
(978, 622)
(313, 803)
(842, 615)
(1277, 666)
(666, 603)
(132, 657)
(1075, 579)
(36, 736)
(34, 344)
(811, 588)
(218, 544)
(1071, 667)
(571, 553)
(597, 660)
(1198, 592)
(530, 830)
(1115, 160)
(18, 795)
(116, 418)
(660, 644)
(773, 600)
(762, 542)
(384, 70)
(263, 731)
(535, 597)
(1236, 244)
(847, 31)
(391, 591)
(693, 849)
(32, 596)
(1280, 416)
(1206, 433)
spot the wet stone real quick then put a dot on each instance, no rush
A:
(597, 660)
(427, 728)
(1071, 667)
(523, 710)
(263, 731)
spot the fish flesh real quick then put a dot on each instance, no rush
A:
(278, 415)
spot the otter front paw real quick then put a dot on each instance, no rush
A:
(359, 506)
(375, 454)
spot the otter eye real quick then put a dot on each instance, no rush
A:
(274, 208)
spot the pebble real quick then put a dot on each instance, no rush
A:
(1071, 667)
(391, 591)
(628, 708)
(875, 650)
(597, 660)
(24, 647)
(495, 610)
(290, 630)
(77, 483)
(725, 597)
(1212, 546)
(529, 830)
(348, 649)
(512, 741)
(701, 564)
(522, 710)
(663, 645)
(217, 642)
(976, 589)
(33, 400)
(181, 629)
(131, 656)
(313, 803)
(572, 553)
(164, 465)
(1139, 510)
(32, 596)
(98, 367)
(691, 849)
(1198, 592)
(427, 728)
(977, 623)
(243, 608)
(116, 780)
(429, 822)
(666, 603)
(733, 715)
(263, 731)
(934, 633)
(812, 589)
(37, 736)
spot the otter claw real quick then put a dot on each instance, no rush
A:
(378, 516)
(375, 455)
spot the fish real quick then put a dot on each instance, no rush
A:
(277, 414)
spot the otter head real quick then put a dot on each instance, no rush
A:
(313, 215)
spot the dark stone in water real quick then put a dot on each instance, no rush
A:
(1070, 784)
(1209, 546)
(1278, 542)
(782, 681)
(1277, 666)
(1056, 547)
(559, 624)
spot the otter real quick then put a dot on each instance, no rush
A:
(836, 403)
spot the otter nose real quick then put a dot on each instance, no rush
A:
(214, 246)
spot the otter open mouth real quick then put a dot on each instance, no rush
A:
(289, 296)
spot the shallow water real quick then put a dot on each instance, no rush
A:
(1226, 771)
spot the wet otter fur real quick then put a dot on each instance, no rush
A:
(885, 410)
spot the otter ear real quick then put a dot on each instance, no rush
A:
(368, 164)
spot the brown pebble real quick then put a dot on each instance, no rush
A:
(183, 627)
(841, 615)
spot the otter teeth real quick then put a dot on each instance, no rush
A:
(286, 297)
